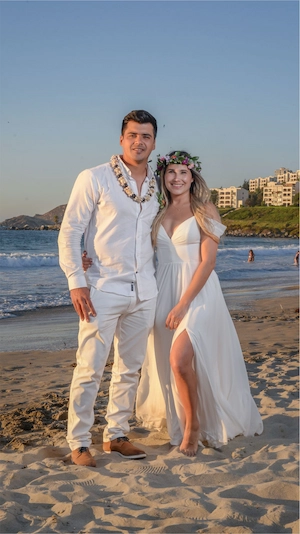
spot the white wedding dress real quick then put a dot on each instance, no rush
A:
(225, 405)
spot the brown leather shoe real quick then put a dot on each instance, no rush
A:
(124, 448)
(82, 456)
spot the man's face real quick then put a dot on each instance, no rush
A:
(137, 142)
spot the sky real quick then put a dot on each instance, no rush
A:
(221, 78)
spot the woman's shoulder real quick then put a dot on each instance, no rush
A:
(214, 220)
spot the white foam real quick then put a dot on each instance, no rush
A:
(6, 315)
(18, 260)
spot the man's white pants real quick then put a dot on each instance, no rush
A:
(131, 321)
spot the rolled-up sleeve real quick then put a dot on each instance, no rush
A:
(82, 202)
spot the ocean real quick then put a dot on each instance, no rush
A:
(31, 279)
(30, 276)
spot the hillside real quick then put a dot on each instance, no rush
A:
(278, 221)
(51, 218)
(56, 212)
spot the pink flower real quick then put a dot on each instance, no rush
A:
(191, 166)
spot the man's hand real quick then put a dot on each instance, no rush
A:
(82, 303)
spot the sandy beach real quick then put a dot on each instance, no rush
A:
(250, 485)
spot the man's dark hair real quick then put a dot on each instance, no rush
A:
(140, 116)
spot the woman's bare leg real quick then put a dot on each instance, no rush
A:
(181, 358)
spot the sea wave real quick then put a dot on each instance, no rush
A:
(23, 260)
(33, 302)
(270, 249)
(4, 315)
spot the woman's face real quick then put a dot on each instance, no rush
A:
(178, 179)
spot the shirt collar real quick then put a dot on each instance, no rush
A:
(128, 171)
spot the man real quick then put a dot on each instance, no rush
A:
(113, 205)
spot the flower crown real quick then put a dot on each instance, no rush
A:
(178, 158)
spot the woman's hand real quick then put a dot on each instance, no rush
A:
(176, 315)
(86, 261)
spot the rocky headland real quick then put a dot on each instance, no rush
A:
(48, 221)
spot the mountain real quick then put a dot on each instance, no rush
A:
(51, 218)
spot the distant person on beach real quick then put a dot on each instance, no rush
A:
(251, 256)
(296, 258)
(194, 377)
(113, 205)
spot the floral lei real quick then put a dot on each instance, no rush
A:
(178, 158)
(114, 162)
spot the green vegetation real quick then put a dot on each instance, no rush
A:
(245, 185)
(214, 196)
(255, 198)
(261, 219)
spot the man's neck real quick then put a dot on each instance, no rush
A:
(138, 170)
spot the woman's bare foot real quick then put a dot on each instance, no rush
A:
(189, 444)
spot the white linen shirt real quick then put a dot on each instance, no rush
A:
(117, 234)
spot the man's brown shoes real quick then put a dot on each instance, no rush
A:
(124, 448)
(82, 456)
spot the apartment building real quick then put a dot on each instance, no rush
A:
(280, 194)
(259, 183)
(254, 184)
(285, 176)
(231, 197)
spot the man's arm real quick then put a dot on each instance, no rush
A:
(77, 216)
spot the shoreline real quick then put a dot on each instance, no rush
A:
(56, 328)
(46, 329)
(229, 293)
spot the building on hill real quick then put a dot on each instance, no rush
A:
(231, 197)
(284, 176)
(260, 183)
(278, 190)
(282, 171)
(280, 194)
(281, 176)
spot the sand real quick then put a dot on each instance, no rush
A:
(250, 485)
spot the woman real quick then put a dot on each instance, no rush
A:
(194, 377)
(207, 395)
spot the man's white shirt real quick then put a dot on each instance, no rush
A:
(117, 234)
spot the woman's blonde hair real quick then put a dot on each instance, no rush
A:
(199, 195)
